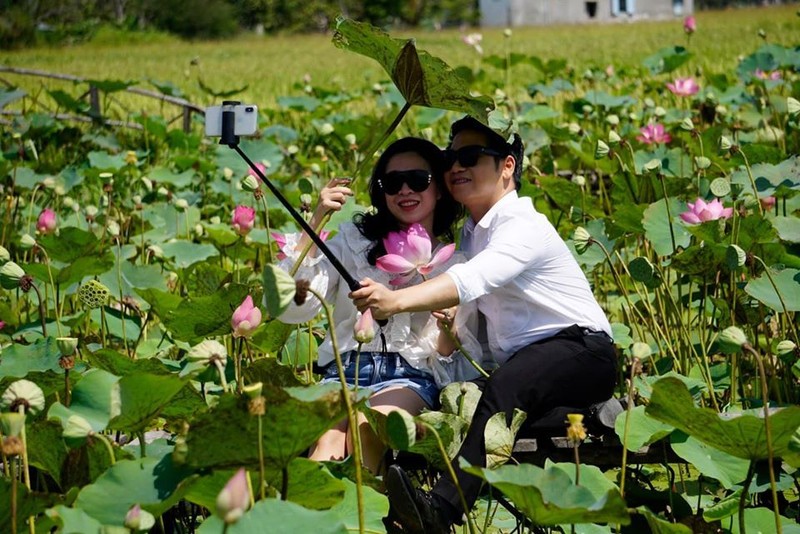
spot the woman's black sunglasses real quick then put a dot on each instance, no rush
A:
(467, 156)
(418, 181)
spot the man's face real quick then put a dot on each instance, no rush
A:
(477, 186)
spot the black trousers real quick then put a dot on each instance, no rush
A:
(573, 368)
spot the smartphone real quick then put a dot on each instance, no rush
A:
(245, 120)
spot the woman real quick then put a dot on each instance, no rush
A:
(401, 365)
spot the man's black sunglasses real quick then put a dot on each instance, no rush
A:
(418, 181)
(468, 156)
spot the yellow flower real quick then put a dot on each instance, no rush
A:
(576, 432)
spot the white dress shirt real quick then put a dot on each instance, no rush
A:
(524, 278)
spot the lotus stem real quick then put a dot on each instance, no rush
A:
(628, 410)
(752, 181)
(266, 224)
(352, 417)
(464, 351)
(307, 247)
(767, 433)
(261, 466)
(452, 474)
(109, 448)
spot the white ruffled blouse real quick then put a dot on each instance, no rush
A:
(413, 335)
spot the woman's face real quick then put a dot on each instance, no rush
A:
(407, 205)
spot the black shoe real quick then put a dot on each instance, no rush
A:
(416, 510)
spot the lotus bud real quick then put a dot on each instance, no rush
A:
(138, 520)
(23, 393)
(93, 294)
(198, 230)
(582, 239)
(67, 346)
(786, 347)
(702, 162)
(793, 106)
(507, 32)
(613, 138)
(350, 139)
(292, 150)
(364, 330)
(735, 257)
(762, 33)
(576, 432)
(4, 255)
(27, 242)
(181, 204)
(613, 120)
(11, 275)
(725, 143)
(112, 227)
(315, 168)
(326, 129)
(641, 351)
(215, 219)
(76, 429)
(732, 339)
(579, 180)
(68, 202)
(227, 172)
(319, 149)
(234, 499)
(91, 212)
(687, 124)
(250, 183)
(246, 318)
(654, 165)
(587, 109)
(601, 149)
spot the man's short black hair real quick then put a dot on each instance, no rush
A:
(494, 141)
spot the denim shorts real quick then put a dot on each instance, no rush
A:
(382, 370)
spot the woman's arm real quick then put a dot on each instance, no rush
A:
(437, 293)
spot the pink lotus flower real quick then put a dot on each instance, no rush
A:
(2, 324)
(246, 318)
(474, 40)
(768, 203)
(689, 24)
(684, 87)
(244, 218)
(409, 253)
(47, 221)
(280, 239)
(234, 499)
(700, 211)
(261, 167)
(653, 133)
(364, 329)
(762, 75)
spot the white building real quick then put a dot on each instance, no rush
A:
(511, 13)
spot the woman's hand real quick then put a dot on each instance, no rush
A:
(332, 198)
(375, 296)
(445, 320)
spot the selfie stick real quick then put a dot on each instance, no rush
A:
(229, 138)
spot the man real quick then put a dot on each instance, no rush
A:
(545, 329)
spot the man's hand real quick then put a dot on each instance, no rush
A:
(375, 296)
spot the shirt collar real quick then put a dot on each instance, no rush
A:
(505, 200)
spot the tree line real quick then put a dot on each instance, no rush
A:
(28, 22)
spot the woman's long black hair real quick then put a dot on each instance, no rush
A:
(377, 225)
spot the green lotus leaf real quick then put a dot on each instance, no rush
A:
(18, 360)
(28, 504)
(642, 430)
(657, 226)
(279, 289)
(788, 228)
(96, 398)
(271, 516)
(742, 436)
(724, 508)
(667, 59)
(661, 526)
(154, 484)
(143, 397)
(499, 437)
(186, 253)
(197, 318)
(236, 430)
(787, 283)
(711, 462)
(311, 485)
(460, 398)
(550, 497)
(74, 520)
(421, 78)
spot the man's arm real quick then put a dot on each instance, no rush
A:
(435, 294)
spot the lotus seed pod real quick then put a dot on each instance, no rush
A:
(250, 183)
(23, 393)
(326, 129)
(574, 128)
(735, 257)
(613, 120)
(67, 345)
(315, 168)
(198, 230)
(702, 162)
(649, 102)
(10, 275)
(654, 165)
(732, 339)
(11, 424)
(793, 106)
(725, 143)
(579, 180)
(350, 139)
(587, 109)
(112, 227)
(148, 183)
(181, 204)
(659, 111)
(687, 124)
(4, 255)
(613, 138)
(507, 32)
(576, 432)
(582, 240)
(93, 294)
(91, 212)
(77, 428)
(786, 347)
(641, 351)
(209, 351)
(253, 391)
(292, 150)
(155, 251)
(27, 242)
(68, 202)
(601, 150)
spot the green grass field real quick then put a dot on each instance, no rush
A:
(272, 66)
